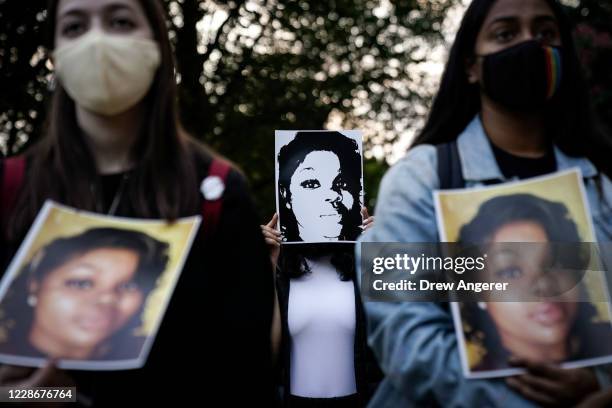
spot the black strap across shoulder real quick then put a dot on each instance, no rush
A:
(449, 166)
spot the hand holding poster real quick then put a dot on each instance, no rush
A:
(90, 290)
(319, 179)
(569, 327)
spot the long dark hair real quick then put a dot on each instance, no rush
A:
(164, 182)
(293, 259)
(496, 212)
(293, 154)
(153, 258)
(570, 121)
(567, 249)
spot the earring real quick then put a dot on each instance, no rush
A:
(32, 300)
(482, 305)
(288, 205)
(36, 259)
(52, 83)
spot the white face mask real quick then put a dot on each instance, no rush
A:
(107, 74)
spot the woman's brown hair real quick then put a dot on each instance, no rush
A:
(164, 181)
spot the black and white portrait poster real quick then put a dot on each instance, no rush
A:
(319, 185)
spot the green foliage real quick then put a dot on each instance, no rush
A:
(593, 34)
(23, 74)
(263, 65)
(247, 68)
(290, 64)
(373, 171)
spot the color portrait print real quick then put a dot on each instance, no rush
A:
(543, 217)
(90, 290)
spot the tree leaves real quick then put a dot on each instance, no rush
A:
(246, 68)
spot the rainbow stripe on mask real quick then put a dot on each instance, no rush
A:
(553, 70)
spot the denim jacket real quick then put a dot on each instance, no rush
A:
(415, 342)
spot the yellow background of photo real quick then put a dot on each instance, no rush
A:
(460, 206)
(61, 222)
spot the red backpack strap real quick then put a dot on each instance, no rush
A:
(12, 179)
(212, 188)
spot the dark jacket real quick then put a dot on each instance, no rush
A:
(214, 341)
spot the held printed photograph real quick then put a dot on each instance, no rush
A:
(319, 185)
(567, 324)
(90, 290)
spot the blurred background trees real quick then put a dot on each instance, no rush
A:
(593, 19)
(247, 68)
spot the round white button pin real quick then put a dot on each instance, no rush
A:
(212, 188)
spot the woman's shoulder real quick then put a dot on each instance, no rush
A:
(416, 173)
(12, 180)
(405, 207)
(204, 156)
(419, 163)
(19, 160)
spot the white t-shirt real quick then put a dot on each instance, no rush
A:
(322, 320)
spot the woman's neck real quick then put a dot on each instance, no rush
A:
(111, 138)
(535, 352)
(521, 134)
(45, 343)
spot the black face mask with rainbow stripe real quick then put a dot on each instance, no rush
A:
(524, 77)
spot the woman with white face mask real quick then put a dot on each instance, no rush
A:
(114, 145)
